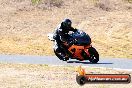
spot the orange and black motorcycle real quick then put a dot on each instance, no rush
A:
(80, 49)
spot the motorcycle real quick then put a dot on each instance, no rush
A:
(80, 49)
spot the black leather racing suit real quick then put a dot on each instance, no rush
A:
(60, 35)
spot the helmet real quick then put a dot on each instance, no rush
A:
(67, 23)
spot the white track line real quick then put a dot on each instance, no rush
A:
(120, 69)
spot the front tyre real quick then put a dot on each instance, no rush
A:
(94, 56)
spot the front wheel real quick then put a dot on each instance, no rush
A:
(94, 56)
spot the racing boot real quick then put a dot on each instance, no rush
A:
(65, 58)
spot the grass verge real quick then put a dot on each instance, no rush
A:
(44, 76)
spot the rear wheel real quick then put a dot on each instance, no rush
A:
(60, 56)
(94, 56)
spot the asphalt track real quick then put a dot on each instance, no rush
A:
(118, 63)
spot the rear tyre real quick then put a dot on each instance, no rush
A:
(94, 56)
(59, 55)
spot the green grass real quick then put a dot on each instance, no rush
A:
(130, 1)
(35, 1)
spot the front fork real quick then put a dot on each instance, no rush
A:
(86, 50)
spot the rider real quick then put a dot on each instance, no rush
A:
(61, 35)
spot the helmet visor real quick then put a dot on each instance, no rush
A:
(68, 24)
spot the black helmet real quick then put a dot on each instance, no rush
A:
(67, 23)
